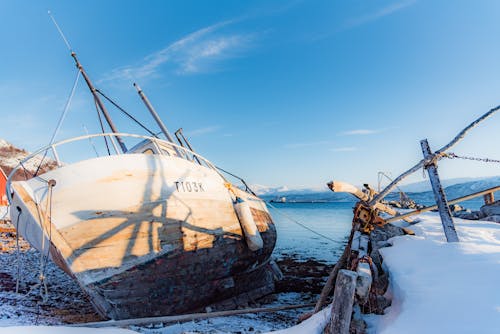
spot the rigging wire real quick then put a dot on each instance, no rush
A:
(90, 140)
(126, 113)
(102, 126)
(61, 120)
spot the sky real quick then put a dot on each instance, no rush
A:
(293, 93)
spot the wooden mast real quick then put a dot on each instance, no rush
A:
(99, 102)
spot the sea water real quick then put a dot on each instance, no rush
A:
(330, 220)
(295, 223)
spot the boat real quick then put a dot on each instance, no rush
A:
(153, 230)
(278, 199)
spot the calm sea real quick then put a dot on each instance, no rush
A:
(331, 220)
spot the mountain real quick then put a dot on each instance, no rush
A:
(426, 185)
(454, 188)
(10, 156)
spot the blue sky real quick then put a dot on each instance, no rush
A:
(289, 93)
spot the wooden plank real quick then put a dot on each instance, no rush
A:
(444, 209)
(453, 201)
(343, 300)
(185, 317)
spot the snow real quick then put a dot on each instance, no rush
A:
(440, 287)
(314, 324)
(62, 330)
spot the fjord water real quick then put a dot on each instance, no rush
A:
(332, 220)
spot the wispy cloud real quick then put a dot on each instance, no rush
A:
(344, 149)
(358, 132)
(194, 53)
(308, 144)
(366, 18)
(382, 12)
(202, 131)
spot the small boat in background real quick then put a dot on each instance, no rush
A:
(279, 199)
(152, 230)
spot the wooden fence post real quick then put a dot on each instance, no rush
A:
(444, 209)
(343, 299)
(489, 198)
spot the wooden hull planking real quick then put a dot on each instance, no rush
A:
(144, 234)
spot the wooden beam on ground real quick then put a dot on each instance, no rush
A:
(343, 301)
(453, 201)
(185, 317)
(444, 209)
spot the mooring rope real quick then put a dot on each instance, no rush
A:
(302, 225)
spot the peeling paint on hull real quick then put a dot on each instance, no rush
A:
(145, 235)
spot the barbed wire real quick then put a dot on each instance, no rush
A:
(455, 156)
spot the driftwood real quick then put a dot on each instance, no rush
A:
(420, 164)
(342, 261)
(344, 187)
(343, 302)
(185, 317)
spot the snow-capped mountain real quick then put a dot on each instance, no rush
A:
(11, 155)
(420, 192)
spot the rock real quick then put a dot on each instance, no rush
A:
(494, 218)
(492, 209)
(474, 215)
(383, 234)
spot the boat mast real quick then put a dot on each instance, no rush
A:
(99, 102)
(154, 113)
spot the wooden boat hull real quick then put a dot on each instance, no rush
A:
(144, 234)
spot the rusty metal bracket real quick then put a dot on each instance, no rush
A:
(368, 217)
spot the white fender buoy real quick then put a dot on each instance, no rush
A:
(252, 234)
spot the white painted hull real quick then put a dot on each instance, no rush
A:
(111, 215)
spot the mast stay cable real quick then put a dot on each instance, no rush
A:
(61, 120)
(126, 113)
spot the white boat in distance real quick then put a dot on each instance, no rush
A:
(153, 230)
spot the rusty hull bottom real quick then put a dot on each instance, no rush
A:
(187, 281)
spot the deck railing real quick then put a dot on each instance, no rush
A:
(160, 145)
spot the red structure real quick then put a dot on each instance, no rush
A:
(3, 182)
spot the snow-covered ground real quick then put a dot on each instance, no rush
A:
(440, 287)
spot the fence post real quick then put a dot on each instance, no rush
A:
(444, 209)
(489, 198)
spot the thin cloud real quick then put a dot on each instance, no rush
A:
(202, 131)
(344, 149)
(309, 144)
(358, 132)
(191, 54)
(388, 10)
(367, 18)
